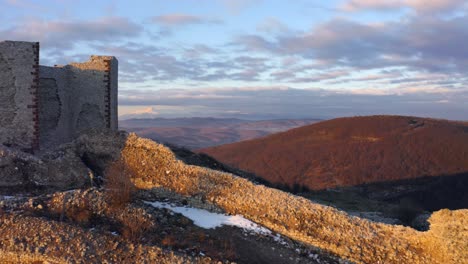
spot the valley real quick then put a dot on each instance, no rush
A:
(195, 133)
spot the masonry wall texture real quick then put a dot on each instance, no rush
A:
(18, 94)
(42, 106)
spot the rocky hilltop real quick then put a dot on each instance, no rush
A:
(132, 204)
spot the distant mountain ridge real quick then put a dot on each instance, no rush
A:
(353, 151)
(179, 122)
(200, 132)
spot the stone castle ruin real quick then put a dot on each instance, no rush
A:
(42, 106)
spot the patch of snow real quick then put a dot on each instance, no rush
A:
(208, 220)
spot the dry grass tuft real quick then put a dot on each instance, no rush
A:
(81, 212)
(119, 193)
(118, 184)
(135, 226)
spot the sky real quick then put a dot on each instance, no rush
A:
(260, 59)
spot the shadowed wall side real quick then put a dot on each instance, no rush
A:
(19, 62)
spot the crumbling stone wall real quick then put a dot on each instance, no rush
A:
(19, 63)
(53, 95)
(95, 84)
(42, 106)
(77, 97)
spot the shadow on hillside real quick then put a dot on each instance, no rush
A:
(403, 200)
(410, 201)
(428, 193)
(200, 159)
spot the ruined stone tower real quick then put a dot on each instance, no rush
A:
(43, 106)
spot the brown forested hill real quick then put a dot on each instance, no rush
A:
(353, 151)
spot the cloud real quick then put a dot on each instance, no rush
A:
(64, 35)
(284, 102)
(272, 25)
(435, 6)
(198, 63)
(200, 50)
(327, 75)
(281, 75)
(182, 20)
(241, 68)
(330, 52)
(381, 77)
(383, 5)
(145, 62)
(26, 5)
(420, 6)
(427, 50)
(253, 42)
(423, 43)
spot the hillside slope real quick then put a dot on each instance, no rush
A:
(27, 222)
(349, 237)
(353, 151)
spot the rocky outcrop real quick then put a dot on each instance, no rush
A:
(71, 165)
(61, 169)
(98, 148)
